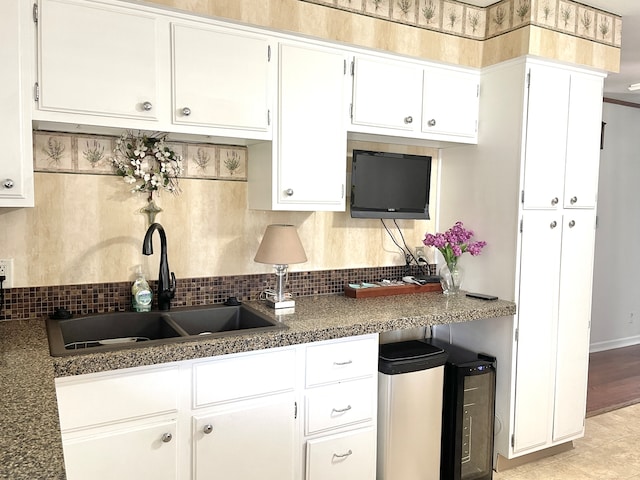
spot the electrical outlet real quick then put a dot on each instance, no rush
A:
(419, 252)
(6, 269)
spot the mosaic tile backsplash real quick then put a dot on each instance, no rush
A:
(39, 302)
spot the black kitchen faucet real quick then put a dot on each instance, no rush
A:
(166, 286)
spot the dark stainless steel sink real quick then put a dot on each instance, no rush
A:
(212, 320)
(114, 331)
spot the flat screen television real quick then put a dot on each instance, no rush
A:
(390, 185)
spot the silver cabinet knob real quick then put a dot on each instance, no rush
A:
(554, 201)
(573, 200)
(166, 438)
(572, 223)
(408, 119)
(8, 183)
(289, 192)
(432, 122)
(553, 224)
(208, 429)
(186, 111)
(147, 106)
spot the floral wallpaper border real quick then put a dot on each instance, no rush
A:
(463, 20)
(89, 154)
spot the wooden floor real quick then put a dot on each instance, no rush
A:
(614, 379)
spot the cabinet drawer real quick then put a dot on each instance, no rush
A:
(338, 405)
(98, 399)
(243, 376)
(342, 457)
(337, 361)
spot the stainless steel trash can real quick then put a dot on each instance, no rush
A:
(410, 388)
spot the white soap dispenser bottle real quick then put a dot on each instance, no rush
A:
(141, 295)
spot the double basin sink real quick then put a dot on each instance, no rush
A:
(114, 331)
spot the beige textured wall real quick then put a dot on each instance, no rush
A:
(87, 229)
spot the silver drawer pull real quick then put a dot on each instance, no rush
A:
(166, 438)
(207, 429)
(147, 106)
(343, 455)
(340, 364)
(554, 201)
(8, 183)
(572, 223)
(408, 120)
(341, 410)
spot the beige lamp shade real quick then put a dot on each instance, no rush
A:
(280, 246)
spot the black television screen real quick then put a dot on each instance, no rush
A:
(390, 185)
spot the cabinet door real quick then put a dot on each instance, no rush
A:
(220, 78)
(16, 162)
(347, 456)
(576, 274)
(450, 103)
(546, 137)
(386, 94)
(128, 454)
(312, 138)
(97, 59)
(583, 141)
(246, 441)
(537, 321)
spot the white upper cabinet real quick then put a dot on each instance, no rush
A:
(386, 94)
(97, 59)
(450, 103)
(304, 168)
(220, 78)
(562, 138)
(546, 136)
(394, 98)
(583, 142)
(16, 162)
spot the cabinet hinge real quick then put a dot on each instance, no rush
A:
(344, 66)
(34, 11)
(353, 66)
(478, 90)
(516, 337)
(528, 78)
(268, 117)
(351, 110)
(342, 196)
(295, 410)
(596, 221)
(522, 197)
(268, 53)
(513, 440)
(520, 225)
(36, 92)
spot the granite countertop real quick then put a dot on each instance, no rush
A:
(31, 448)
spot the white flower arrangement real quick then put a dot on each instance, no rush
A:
(147, 162)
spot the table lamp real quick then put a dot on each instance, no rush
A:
(280, 247)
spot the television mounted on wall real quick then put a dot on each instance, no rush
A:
(390, 185)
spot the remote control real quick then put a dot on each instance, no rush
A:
(482, 296)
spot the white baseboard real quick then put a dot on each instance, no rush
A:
(611, 344)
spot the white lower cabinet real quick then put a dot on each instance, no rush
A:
(279, 414)
(345, 456)
(341, 409)
(130, 452)
(246, 440)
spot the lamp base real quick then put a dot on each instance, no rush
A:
(281, 304)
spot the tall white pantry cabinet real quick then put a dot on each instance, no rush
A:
(529, 189)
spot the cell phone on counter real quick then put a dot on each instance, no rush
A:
(482, 296)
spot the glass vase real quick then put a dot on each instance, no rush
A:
(451, 276)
